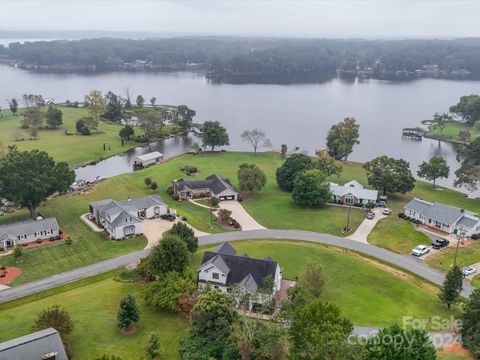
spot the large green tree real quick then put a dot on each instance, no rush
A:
(13, 106)
(468, 108)
(327, 164)
(471, 324)
(184, 117)
(435, 168)
(389, 175)
(186, 233)
(294, 164)
(468, 174)
(126, 132)
(251, 179)
(452, 286)
(319, 331)
(56, 317)
(29, 177)
(150, 120)
(311, 189)
(342, 137)
(214, 134)
(95, 104)
(54, 117)
(113, 107)
(128, 312)
(171, 254)
(395, 343)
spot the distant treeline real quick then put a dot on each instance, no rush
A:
(229, 58)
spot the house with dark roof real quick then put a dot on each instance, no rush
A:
(28, 231)
(449, 219)
(41, 345)
(124, 218)
(222, 268)
(214, 185)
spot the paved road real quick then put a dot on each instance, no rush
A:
(405, 262)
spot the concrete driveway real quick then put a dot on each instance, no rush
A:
(476, 266)
(241, 215)
(361, 234)
(153, 229)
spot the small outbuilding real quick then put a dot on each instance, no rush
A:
(148, 159)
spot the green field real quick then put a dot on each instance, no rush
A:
(476, 281)
(365, 293)
(451, 130)
(74, 149)
(397, 235)
(466, 256)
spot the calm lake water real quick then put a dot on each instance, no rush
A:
(297, 115)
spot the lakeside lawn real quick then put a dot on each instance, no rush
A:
(451, 130)
(386, 295)
(397, 235)
(466, 256)
(74, 149)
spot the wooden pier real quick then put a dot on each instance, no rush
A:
(416, 133)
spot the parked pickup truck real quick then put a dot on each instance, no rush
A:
(440, 243)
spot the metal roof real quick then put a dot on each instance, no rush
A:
(150, 156)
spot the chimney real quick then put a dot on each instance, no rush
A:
(50, 356)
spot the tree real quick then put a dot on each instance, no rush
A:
(464, 135)
(152, 346)
(294, 164)
(452, 286)
(45, 177)
(283, 151)
(13, 106)
(327, 165)
(251, 179)
(171, 254)
(126, 132)
(55, 317)
(186, 233)
(95, 103)
(224, 215)
(17, 252)
(140, 101)
(256, 138)
(342, 137)
(389, 175)
(171, 290)
(395, 343)
(471, 324)
(54, 117)
(82, 127)
(33, 118)
(256, 340)
(128, 98)
(434, 169)
(214, 134)
(468, 174)
(113, 108)
(150, 120)
(153, 100)
(154, 186)
(184, 117)
(128, 312)
(319, 331)
(313, 280)
(311, 189)
(147, 181)
(468, 108)
(441, 120)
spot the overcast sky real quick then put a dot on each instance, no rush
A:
(376, 19)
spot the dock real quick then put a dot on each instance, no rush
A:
(416, 133)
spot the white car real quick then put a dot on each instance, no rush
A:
(468, 270)
(420, 250)
(387, 211)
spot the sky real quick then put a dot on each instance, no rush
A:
(359, 19)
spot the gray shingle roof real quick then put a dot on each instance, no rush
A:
(249, 283)
(225, 248)
(418, 205)
(144, 202)
(467, 222)
(355, 188)
(214, 182)
(33, 346)
(29, 227)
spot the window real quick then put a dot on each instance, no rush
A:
(215, 276)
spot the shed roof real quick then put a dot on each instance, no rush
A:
(150, 156)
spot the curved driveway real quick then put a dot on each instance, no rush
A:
(405, 262)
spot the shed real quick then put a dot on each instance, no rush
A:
(147, 159)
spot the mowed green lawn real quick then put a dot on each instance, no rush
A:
(451, 130)
(365, 293)
(466, 256)
(397, 235)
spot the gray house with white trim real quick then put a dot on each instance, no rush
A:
(41, 345)
(214, 185)
(28, 231)
(449, 219)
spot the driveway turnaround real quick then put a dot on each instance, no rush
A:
(405, 262)
(362, 232)
(241, 215)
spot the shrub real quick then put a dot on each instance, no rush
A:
(239, 198)
(55, 316)
(39, 241)
(58, 237)
(170, 190)
(69, 241)
(224, 215)
(2, 267)
(147, 181)
(358, 205)
(17, 252)
(176, 197)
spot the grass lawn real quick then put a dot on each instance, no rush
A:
(451, 130)
(385, 296)
(476, 281)
(466, 256)
(94, 309)
(366, 294)
(452, 356)
(397, 235)
(74, 149)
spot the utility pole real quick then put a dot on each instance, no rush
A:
(459, 237)
(211, 210)
(347, 227)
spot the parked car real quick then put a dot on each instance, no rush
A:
(420, 250)
(468, 270)
(440, 243)
(370, 215)
(169, 217)
(387, 211)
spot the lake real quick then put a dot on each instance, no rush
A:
(296, 115)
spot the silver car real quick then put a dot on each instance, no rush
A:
(468, 270)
